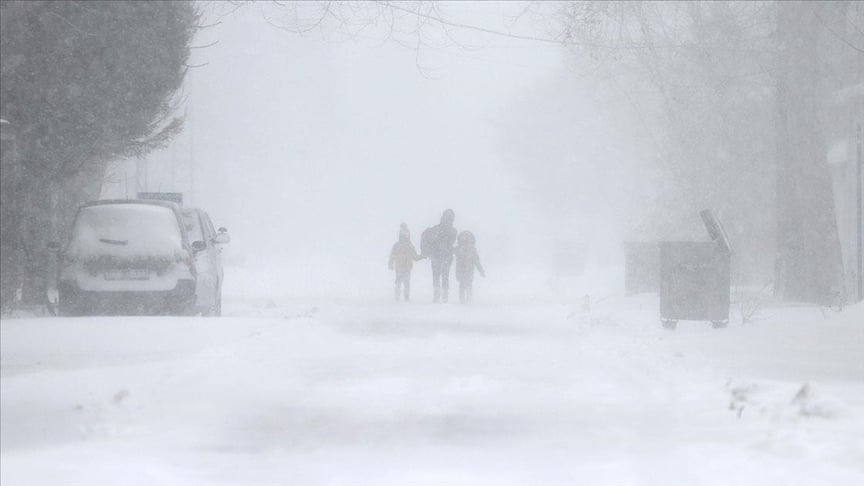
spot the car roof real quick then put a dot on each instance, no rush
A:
(151, 202)
(193, 209)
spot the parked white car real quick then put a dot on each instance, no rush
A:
(127, 256)
(207, 244)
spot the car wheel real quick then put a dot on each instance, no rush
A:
(68, 304)
(68, 308)
(182, 307)
(63, 310)
(217, 308)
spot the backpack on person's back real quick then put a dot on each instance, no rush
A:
(429, 241)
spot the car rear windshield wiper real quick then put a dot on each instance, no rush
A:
(114, 242)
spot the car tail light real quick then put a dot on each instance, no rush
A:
(186, 259)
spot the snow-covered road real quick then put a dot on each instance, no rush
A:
(287, 393)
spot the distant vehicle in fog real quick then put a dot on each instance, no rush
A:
(127, 256)
(206, 243)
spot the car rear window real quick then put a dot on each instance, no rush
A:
(126, 230)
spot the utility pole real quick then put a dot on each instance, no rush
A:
(191, 160)
(140, 175)
(860, 216)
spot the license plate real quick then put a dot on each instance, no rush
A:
(128, 274)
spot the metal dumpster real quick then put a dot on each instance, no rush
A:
(695, 278)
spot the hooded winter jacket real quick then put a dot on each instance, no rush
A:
(403, 254)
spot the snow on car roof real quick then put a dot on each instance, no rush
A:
(151, 202)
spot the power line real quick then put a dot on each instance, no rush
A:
(525, 37)
(838, 36)
(485, 30)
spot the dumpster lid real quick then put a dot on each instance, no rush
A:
(715, 229)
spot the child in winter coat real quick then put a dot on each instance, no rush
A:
(402, 258)
(466, 260)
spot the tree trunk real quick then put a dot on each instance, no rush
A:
(808, 267)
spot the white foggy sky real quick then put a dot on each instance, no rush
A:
(316, 150)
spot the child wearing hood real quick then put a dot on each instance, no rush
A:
(466, 260)
(402, 258)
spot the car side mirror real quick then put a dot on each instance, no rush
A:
(198, 246)
(53, 247)
(222, 238)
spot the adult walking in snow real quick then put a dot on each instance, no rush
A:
(436, 243)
